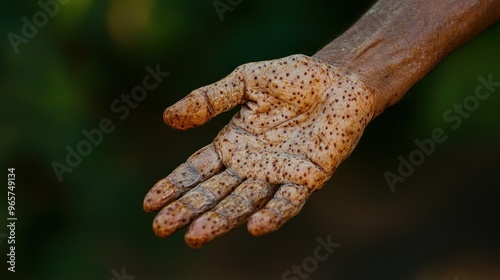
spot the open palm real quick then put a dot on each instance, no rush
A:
(300, 119)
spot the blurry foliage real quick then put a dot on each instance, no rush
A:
(66, 77)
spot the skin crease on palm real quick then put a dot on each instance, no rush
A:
(300, 119)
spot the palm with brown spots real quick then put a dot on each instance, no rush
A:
(300, 119)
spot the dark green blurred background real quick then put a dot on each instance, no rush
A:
(441, 223)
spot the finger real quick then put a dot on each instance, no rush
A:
(196, 201)
(206, 102)
(203, 164)
(231, 212)
(285, 204)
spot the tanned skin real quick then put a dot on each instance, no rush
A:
(396, 43)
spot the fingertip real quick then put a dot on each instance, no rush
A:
(263, 222)
(159, 195)
(167, 117)
(171, 218)
(190, 112)
(205, 229)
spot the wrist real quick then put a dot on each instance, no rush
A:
(345, 59)
(396, 43)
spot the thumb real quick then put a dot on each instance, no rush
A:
(204, 103)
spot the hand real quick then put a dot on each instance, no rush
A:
(300, 119)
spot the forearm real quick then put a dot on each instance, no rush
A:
(397, 42)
